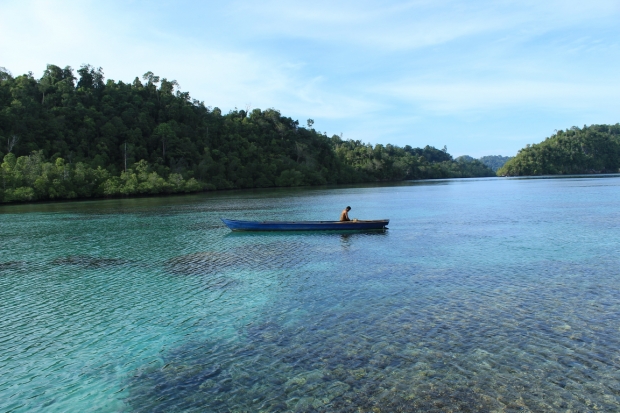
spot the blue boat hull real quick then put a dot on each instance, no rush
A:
(236, 225)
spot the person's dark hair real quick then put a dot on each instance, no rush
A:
(348, 208)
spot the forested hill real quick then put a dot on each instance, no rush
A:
(76, 135)
(495, 161)
(593, 149)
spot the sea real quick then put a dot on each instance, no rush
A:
(483, 295)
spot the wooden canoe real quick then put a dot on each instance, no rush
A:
(237, 225)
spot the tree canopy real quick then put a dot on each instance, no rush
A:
(495, 161)
(71, 136)
(593, 149)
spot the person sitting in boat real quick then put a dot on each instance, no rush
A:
(344, 215)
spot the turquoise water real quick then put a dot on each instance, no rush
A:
(484, 295)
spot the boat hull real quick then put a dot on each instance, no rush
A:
(236, 225)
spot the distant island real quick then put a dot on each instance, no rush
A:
(80, 137)
(495, 161)
(592, 149)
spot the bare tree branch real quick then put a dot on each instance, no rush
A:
(10, 142)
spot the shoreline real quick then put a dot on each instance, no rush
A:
(173, 194)
(224, 190)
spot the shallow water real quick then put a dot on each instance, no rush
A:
(484, 295)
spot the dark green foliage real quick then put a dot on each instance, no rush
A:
(471, 167)
(593, 149)
(495, 161)
(391, 163)
(75, 137)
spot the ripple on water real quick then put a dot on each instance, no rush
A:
(450, 352)
(200, 263)
(265, 256)
(11, 265)
(86, 261)
(203, 226)
(470, 303)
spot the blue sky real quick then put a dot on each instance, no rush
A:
(483, 78)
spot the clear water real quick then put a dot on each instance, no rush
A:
(484, 295)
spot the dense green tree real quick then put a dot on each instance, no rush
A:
(75, 137)
(593, 149)
(495, 161)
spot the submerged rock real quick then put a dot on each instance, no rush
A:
(11, 265)
(86, 261)
(407, 353)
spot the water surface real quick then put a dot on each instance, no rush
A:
(484, 295)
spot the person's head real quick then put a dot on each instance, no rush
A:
(348, 208)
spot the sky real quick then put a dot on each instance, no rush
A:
(481, 77)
